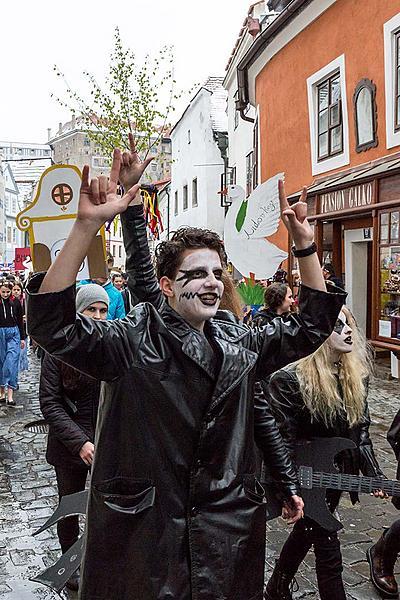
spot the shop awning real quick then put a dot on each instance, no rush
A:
(364, 172)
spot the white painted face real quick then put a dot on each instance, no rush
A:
(198, 287)
(340, 339)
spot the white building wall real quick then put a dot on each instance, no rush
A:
(196, 155)
(12, 235)
(240, 132)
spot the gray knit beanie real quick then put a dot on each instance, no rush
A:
(88, 294)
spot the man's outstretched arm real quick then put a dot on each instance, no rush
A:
(98, 203)
(295, 220)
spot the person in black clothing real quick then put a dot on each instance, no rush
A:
(69, 403)
(278, 299)
(324, 395)
(330, 277)
(12, 340)
(383, 554)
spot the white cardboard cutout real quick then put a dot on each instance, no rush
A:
(51, 215)
(247, 225)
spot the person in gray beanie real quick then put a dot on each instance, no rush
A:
(69, 402)
(92, 297)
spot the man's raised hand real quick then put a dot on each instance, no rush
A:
(295, 219)
(98, 200)
(132, 168)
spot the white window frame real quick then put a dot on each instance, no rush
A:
(338, 160)
(389, 30)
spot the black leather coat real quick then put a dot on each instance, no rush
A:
(143, 285)
(69, 402)
(295, 422)
(175, 511)
(393, 437)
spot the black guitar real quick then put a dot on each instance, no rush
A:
(317, 472)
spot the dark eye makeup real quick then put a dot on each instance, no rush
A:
(339, 326)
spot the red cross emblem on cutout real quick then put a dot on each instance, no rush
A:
(62, 195)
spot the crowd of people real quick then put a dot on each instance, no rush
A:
(151, 382)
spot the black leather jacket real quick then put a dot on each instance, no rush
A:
(295, 422)
(143, 285)
(175, 510)
(69, 402)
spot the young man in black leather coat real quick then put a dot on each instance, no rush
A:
(175, 510)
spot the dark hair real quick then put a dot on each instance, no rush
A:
(329, 269)
(6, 283)
(275, 294)
(169, 253)
(114, 275)
(18, 284)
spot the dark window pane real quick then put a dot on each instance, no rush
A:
(323, 96)
(398, 49)
(335, 115)
(336, 139)
(323, 121)
(398, 111)
(394, 226)
(384, 218)
(335, 90)
(323, 145)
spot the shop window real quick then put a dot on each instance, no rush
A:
(329, 130)
(389, 238)
(185, 197)
(365, 115)
(194, 192)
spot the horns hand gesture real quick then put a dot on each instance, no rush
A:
(295, 220)
(98, 200)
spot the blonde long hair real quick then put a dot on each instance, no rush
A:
(318, 383)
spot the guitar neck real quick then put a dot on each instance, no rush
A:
(355, 483)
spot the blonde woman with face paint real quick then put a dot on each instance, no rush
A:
(324, 395)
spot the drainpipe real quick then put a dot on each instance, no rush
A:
(257, 48)
(168, 201)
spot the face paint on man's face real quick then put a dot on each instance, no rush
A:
(340, 339)
(198, 287)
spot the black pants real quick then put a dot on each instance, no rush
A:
(328, 558)
(70, 479)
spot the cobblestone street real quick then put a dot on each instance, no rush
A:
(28, 496)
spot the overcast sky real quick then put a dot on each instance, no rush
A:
(78, 35)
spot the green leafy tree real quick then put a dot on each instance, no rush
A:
(134, 98)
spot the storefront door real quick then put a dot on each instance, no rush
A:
(358, 269)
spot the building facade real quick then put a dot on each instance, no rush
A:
(198, 139)
(73, 146)
(324, 78)
(243, 164)
(12, 237)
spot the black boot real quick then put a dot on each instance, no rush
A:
(382, 557)
(279, 587)
(73, 581)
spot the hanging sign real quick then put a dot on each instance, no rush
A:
(21, 255)
(50, 217)
(352, 197)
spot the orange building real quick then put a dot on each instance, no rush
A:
(324, 76)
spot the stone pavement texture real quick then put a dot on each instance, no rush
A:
(28, 496)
